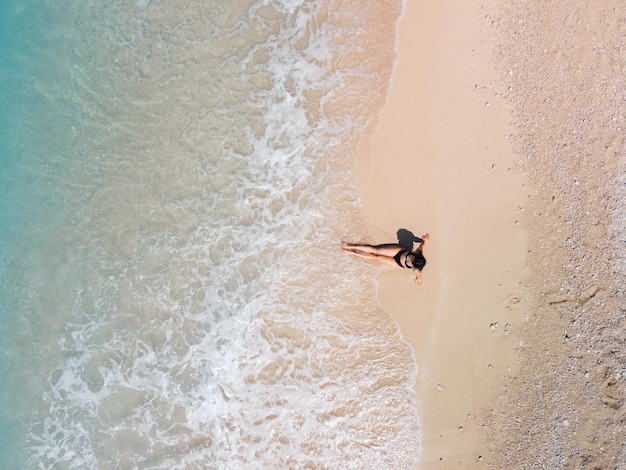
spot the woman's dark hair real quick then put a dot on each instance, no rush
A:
(418, 260)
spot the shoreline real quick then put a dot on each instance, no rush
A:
(440, 163)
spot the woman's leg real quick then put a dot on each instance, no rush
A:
(386, 250)
(386, 260)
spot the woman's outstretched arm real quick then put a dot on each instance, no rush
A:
(425, 238)
(418, 277)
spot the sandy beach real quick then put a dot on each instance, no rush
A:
(503, 136)
(567, 89)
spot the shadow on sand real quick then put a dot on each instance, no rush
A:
(406, 238)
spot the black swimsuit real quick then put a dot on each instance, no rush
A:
(398, 257)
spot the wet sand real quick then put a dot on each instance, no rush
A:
(503, 137)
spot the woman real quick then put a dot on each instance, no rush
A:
(393, 255)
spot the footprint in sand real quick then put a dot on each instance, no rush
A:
(612, 385)
(588, 293)
(511, 301)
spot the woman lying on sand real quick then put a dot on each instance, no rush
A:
(393, 255)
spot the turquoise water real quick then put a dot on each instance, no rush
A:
(40, 124)
(175, 180)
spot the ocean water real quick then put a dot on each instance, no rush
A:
(175, 180)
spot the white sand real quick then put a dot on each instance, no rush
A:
(441, 163)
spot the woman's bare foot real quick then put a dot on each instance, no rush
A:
(346, 248)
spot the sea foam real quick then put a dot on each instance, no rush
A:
(197, 308)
